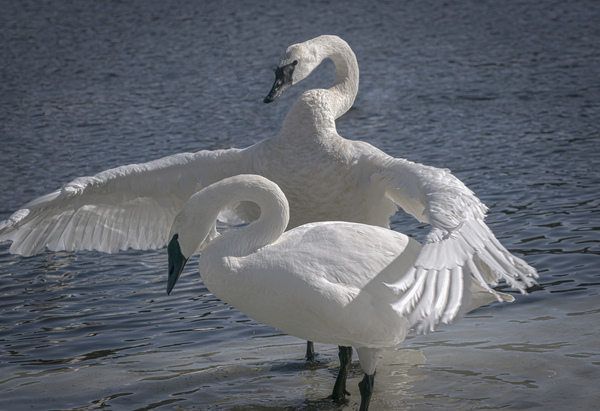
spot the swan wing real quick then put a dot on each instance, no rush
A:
(458, 246)
(131, 206)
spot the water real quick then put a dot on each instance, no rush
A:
(506, 94)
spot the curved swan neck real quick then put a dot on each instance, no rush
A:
(195, 221)
(273, 220)
(345, 86)
(313, 115)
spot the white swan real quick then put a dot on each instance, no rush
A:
(324, 282)
(325, 177)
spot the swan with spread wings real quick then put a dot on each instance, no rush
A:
(324, 176)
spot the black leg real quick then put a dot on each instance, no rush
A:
(339, 389)
(310, 351)
(366, 390)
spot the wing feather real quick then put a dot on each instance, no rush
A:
(456, 294)
(458, 248)
(126, 207)
(442, 292)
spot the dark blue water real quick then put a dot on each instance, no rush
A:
(506, 94)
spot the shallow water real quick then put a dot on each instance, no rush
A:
(505, 94)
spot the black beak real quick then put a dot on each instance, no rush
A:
(176, 263)
(283, 81)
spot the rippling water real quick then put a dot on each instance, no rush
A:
(506, 94)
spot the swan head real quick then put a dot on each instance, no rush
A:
(191, 231)
(178, 256)
(298, 61)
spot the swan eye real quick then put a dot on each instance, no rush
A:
(295, 62)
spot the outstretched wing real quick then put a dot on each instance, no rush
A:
(131, 206)
(458, 246)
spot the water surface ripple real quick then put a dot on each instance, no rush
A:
(505, 94)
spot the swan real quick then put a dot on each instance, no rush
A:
(326, 282)
(325, 177)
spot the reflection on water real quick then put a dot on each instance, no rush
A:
(504, 94)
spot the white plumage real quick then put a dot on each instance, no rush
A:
(324, 176)
(323, 282)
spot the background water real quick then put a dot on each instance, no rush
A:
(506, 94)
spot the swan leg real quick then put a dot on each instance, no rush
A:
(339, 389)
(310, 351)
(366, 390)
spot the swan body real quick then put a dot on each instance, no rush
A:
(324, 176)
(325, 282)
(312, 281)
